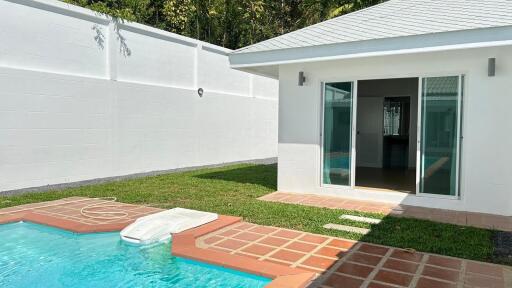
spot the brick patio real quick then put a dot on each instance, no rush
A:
(65, 214)
(342, 263)
(480, 220)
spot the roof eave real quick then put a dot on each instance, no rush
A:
(464, 39)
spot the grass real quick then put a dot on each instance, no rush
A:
(233, 190)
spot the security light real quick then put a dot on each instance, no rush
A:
(491, 67)
(302, 78)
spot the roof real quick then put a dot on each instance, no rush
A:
(394, 19)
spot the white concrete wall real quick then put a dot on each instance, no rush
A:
(82, 98)
(487, 122)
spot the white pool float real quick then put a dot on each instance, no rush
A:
(158, 227)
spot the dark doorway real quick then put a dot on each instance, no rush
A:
(386, 134)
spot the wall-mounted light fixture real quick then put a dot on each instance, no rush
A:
(302, 78)
(491, 67)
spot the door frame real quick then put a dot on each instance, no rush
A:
(460, 121)
(353, 130)
(463, 80)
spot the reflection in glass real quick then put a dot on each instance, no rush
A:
(337, 133)
(439, 135)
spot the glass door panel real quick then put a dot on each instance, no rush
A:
(338, 103)
(440, 135)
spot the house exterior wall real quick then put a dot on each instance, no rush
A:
(84, 98)
(487, 122)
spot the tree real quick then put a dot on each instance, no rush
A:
(229, 23)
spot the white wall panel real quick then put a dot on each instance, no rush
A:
(154, 60)
(44, 40)
(73, 110)
(215, 75)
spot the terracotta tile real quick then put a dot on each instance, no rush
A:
(301, 247)
(247, 255)
(291, 281)
(365, 259)
(229, 233)
(481, 281)
(319, 262)
(258, 249)
(441, 273)
(231, 244)
(280, 262)
(313, 239)
(406, 255)
(401, 266)
(379, 285)
(273, 241)
(241, 263)
(485, 269)
(311, 269)
(245, 226)
(339, 243)
(395, 278)
(342, 281)
(213, 239)
(330, 252)
(372, 249)
(248, 236)
(287, 234)
(287, 255)
(222, 222)
(444, 262)
(355, 269)
(263, 230)
(431, 283)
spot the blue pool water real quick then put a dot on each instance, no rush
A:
(340, 162)
(34, 255)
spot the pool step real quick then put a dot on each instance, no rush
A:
(345, 228)
(360, 219)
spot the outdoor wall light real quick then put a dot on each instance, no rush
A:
(302, 78)
(200, 92)
(491, 67)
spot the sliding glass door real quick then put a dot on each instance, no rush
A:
(337, 133)
(440, 135)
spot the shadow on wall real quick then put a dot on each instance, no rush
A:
(99, 38)
(262, 175)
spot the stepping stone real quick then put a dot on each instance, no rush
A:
(345, 228)
(360, 219)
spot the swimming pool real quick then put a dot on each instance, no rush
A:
(33, 255)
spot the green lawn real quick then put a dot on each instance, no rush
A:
(233, 190)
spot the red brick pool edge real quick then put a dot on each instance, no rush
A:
(185, 245)
(65, 214)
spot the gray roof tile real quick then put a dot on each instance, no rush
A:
(395, 18)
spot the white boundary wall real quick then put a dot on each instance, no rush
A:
(83, 98)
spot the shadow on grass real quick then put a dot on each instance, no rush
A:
(263, 175)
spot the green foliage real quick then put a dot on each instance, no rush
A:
(229, 23)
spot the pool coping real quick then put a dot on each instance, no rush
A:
(68, 225)
(184, 245)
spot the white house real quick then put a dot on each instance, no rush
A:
(404, 102)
